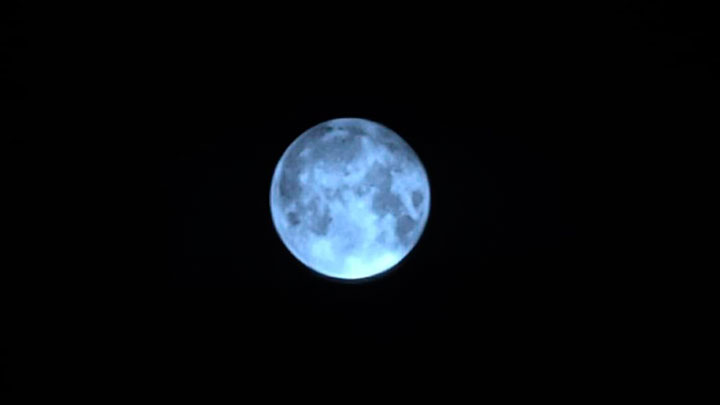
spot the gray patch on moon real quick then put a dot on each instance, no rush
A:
(355, 130)
(404, 228)
(337, 150)
(362, 190)
(378, 176)
(417, 198)
(293, 218)
(289, 185)
(387, 203)
(320, 222)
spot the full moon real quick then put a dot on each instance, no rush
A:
(349, 198)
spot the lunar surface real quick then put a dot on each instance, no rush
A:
(349, 198)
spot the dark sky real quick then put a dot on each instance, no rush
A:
(527, 122)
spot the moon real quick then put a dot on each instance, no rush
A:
(349, 198)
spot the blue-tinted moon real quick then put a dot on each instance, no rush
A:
(349, 198)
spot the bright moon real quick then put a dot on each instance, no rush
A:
(349, 198)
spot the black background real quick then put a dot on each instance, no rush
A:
(529, 122)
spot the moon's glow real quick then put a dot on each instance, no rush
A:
(349, 198)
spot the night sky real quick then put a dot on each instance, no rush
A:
(526, 123)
